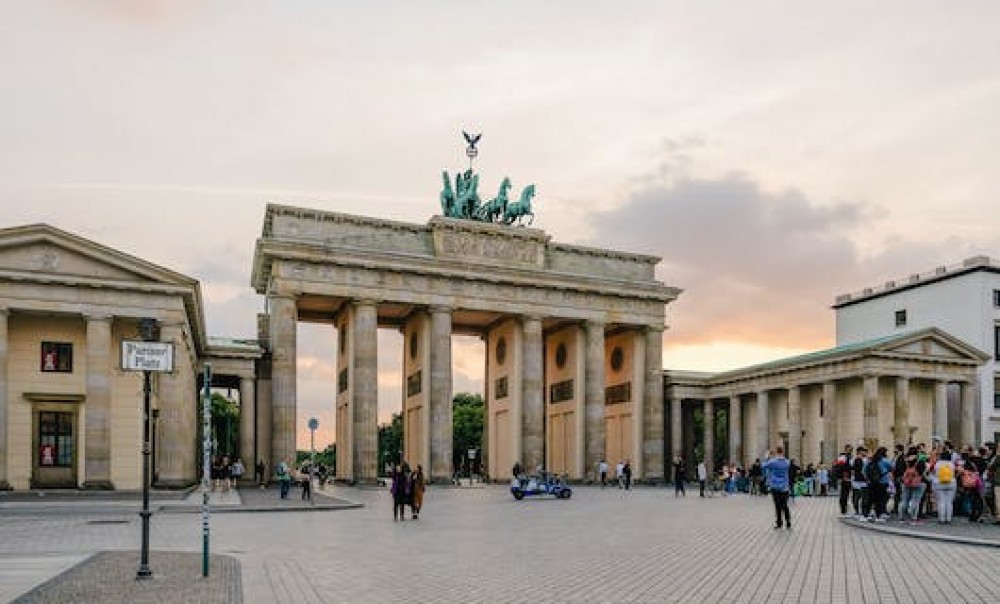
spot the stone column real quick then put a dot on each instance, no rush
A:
(830, 444)
(365, 391)
(652, 428)
(676, 434)
(968, 436)
(594, 394)
(484, 456)
(97, 451)
(532, 401)
(4, 428)
(736, 430)
(940, 410)
(795, 424)
(901, 411)
(177, 398)
(763, 425)
(709, 436)
(248, 422)
(441, 395)
(870, 411)
(284, 325)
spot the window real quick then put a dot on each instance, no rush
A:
(57, 357)
(996, 342)
(996, 298)
(821, 408)
(55, 439)
(900, 318)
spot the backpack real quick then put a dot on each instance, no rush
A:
(945, 473)
(969, 479)
(873, 473)
(911, 477)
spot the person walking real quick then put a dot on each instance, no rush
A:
(627, 474)
(417, 486)
(778, 471)
(702, 478)
(842, 475)
(237, 471)
(679, 471)
(620, 474)
(602, 470)
(261, 473)
(305, 477)
(400, 490)
(284, 478)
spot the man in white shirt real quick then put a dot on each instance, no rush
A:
(620, 474)
(602, 471)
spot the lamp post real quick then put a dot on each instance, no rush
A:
(149, 330)
(313, 426)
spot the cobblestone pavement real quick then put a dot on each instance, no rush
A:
(479, 545)
(960, 530)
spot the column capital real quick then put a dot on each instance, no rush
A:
(364, 302)
(440, 309)
(98, 316)
(282, 295)
(593, 325)
(660, 328)
(4, 311)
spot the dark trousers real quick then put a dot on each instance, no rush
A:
(845, 494)
(285, 485)
(306, 489)
(977, 506)
(866, 501)
(701, 487)
(679, 487)
(781, 507)
(880, 498)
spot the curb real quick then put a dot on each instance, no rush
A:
(259, 509)
(881, 528)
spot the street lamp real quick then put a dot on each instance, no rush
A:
(149, 331)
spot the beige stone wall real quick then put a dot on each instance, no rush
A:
(504, 413)
(886, 411)
(621, 438)
(26, 332)
(812, 424)
(416, 408)
(564, 441)
(850, 412)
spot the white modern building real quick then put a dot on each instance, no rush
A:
(962, 300)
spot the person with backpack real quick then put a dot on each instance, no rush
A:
(842, 476)
(912, 482)
(284, 478)
(860, 499)
(943, 480)
(972, 485)
(878, 474)
(898, 467)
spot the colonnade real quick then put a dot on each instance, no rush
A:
(814, 420)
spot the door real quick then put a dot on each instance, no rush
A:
(54, 459)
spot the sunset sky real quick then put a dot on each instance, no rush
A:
(774, 154)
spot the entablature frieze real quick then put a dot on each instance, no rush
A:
(470, 292)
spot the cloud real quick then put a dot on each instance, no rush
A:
(758, 267)
(147, 13)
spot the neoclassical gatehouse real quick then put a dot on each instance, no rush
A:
(573, 339)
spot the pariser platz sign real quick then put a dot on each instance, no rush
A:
(147, 356)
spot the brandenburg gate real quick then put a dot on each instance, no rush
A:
(573, 337)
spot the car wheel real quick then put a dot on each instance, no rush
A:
(567, 494)
(518, 495)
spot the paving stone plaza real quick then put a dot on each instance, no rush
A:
(479, 545)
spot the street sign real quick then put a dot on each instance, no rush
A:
(314, 424)
(147, 356)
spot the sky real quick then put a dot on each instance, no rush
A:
(775, 154)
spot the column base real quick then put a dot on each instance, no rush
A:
(98, 485)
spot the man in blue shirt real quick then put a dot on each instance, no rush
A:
(778, 470)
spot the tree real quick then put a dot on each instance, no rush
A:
(468, 415)
(225, 424)
(390, 442)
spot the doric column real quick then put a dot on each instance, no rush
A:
(97, 452)
(248, 421)
(763, 424)
(532, 405)
(4, 428)
(284, 341)
(594, 394)
(941, 410)
(365, 391)
(795, 424)
(830, 444)
(652, 428)
(441, 395)
(969, 414)
(709, 436)
(676, 433)
(901, 411)
(484, 455)
(870, 411)
(735, 430)
(179, 417)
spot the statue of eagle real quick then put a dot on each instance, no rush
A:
(472, 140)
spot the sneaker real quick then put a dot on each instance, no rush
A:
(777, 526)
(880, 519)
(789, 526)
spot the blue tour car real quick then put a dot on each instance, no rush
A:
(545, 483)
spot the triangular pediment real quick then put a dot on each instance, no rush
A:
(46, 251)
(932, 343)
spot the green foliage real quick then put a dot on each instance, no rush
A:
(225, 425)
(468, 415)
(390, 442)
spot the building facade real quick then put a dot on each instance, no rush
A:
(963, 300)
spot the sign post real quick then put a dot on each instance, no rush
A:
(206, 462)
(313, 426)
(147, 356)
